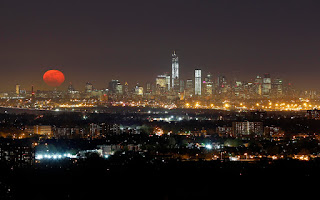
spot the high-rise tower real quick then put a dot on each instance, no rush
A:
(175, 71)
(266, 85)
(17, 89)
(197, 82)
(32, 94)
(88, 88)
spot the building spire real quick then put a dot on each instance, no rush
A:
(175, 71)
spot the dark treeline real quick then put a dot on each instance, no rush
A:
(290, 122)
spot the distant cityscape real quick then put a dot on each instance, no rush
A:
(204, 118)
(220, 126)
(203, 91)
(159, 100)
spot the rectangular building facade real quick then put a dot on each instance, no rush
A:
(247, 128)
(197, 82)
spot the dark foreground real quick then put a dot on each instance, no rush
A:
(99, 179)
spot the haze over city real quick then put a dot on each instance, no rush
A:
(133, 41)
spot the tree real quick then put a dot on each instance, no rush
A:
(233, 142)
(171, 142)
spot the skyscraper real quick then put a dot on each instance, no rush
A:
(119, 88)
(197, 82)
(189, 88)
(126, 89)
(70, 88)
(208, 85)
(138, 90)
(168, 80)
(222, 85)
(113, 86)
(88, 88)
(277, 87)
(181, 84)
(32, 94)
(161, 84)
(266, 85)
(258, 85)
(175, 71)
(17, 89)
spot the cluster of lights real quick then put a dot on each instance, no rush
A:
(54, 156)
(226, 105)
(158, 131)
(144, 104)
(167, 119)
(302, 157)
(273, 157)
(76, 105)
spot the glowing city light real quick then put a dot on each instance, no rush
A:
(54, 156)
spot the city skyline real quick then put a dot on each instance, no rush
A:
(104, 41)
(172, 84)
(175, 72)
(135, 99)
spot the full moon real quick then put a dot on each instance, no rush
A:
(53, 78)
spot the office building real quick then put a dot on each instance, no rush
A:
(247, 128)
(258, 85)
(88, 88)
(17, 89)
(113, 84)
(277, 87)
(182, 87)
(197, 82)
(168, 81)
(161, 84)
(208, 85)
(138, 90)
(175, 72)
(119, 89)
(126, 89)
(221, 85)
(189, 89)
(238, 89)
(266, 85)
(70, 88)
(149, 88)
(43, 130)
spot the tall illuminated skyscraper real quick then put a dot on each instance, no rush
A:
(17, 89)
(175, 71)
(258, 85)
(197, 82)
(266, 85)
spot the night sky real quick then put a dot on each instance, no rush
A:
(133, 40)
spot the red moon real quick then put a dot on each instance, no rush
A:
(53, 78)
